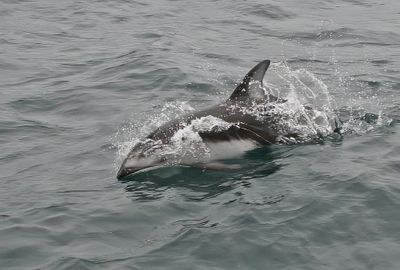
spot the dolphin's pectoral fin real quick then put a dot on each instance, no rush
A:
(256, 74)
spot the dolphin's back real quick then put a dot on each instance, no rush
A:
(243, 126)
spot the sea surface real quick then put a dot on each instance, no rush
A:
(81, 81)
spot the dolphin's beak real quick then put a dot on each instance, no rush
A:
(122, 172)
(126, 169)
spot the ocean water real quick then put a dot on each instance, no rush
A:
(82, 81)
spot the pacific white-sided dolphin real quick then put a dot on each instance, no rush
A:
(243, 129)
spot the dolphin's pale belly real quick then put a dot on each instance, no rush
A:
(231, 148)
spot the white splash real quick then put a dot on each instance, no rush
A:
(307, 111)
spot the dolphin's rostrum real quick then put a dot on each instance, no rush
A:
(244, 130)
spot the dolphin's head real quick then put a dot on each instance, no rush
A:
(143, 155)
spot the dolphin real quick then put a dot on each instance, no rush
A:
(242, 130)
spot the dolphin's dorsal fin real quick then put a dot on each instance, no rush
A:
(256, 74)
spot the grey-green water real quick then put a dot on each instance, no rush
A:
(78, 78)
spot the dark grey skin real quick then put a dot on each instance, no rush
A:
(246, 126)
